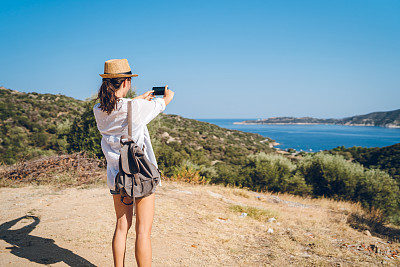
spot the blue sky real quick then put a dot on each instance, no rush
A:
(223, 59)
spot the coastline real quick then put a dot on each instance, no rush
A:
(315, 137)
(281, 123)
(273, 144)
(313, 123)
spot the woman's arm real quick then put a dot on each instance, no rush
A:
(145, 111)
(146, 96)
(168, 95)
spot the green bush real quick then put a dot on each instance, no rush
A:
(384, 158)
(39, 139)
(330, 175)
(167, 158)
(377, 189)
(84, 135)
(228, 174)
(274, 173)
(333, 176)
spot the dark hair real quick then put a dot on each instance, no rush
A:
(108, 99)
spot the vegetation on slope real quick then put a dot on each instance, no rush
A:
(30, 124)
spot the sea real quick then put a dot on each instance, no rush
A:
(318, 137)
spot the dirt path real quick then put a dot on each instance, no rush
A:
(193, 226)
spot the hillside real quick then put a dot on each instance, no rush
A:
(194, 225)
(390, 119)
(30, 124)
(35, 124)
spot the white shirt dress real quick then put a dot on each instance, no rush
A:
(113, 126)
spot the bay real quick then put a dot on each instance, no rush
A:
(317, 137)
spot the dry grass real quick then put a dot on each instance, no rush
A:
(59, 170)
(317, 232)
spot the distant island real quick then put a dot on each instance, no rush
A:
(389, 119)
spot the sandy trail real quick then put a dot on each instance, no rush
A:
(193, 226)
(75, 226)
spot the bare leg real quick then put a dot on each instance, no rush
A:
(144, 222)
(124, 221)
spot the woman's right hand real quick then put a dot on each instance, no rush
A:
(168, 95)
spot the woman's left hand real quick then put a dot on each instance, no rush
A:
(146, 96)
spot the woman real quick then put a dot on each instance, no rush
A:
(112, 122)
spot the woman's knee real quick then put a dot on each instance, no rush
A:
(123, 224)
(143, 229)
(124, 215)
(145, 215)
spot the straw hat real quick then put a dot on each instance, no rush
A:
(117, 68)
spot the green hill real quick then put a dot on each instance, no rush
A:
(30, 124)
(35, 124)
(384, 119)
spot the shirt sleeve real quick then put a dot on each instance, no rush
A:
(148, 110)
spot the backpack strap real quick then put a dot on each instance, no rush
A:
(128, 138)
(130, 117)
(128, 204)
(125, 138)
(130, 110)
(137, 179)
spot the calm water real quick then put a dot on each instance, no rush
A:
(317, 137)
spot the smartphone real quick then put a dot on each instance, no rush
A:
(159, 90)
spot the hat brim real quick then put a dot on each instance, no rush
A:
(117, 75)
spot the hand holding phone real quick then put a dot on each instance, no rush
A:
(169, 94)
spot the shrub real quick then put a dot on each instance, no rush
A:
(330, 175)
(84, 135)
(335, 177)
(167, 158)
(377, 189)
(228, 174)
(273, 172)
(190, 173)
(39, 139)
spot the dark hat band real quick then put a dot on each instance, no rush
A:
(128, 72)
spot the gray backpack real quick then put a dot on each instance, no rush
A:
(137, 176)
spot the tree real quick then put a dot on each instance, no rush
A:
(84, 135)
(273, 172)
